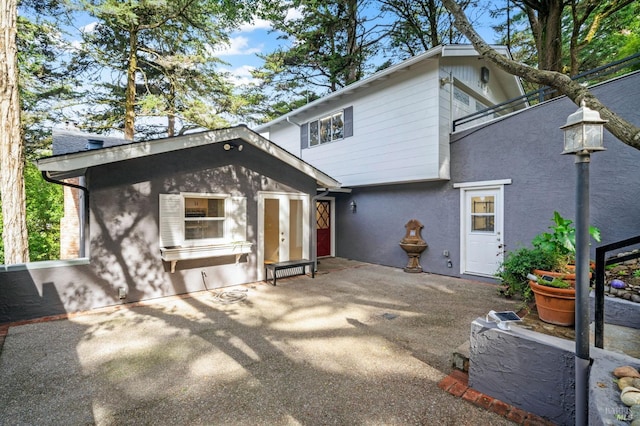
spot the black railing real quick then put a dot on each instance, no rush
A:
(594, 76)
(601, 264)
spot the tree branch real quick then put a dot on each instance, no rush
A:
(625, 131)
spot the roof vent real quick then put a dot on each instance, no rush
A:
(94, 144)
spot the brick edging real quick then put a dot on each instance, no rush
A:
(457, 384)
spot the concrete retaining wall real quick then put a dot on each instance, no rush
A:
(536, 373)
(618, 311)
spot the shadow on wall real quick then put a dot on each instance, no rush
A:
(21, 298)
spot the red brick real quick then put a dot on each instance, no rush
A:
(471, 395)
(484, 401)
(460, 376)
(458, 389)
(516, 415)
(500, 407)
(446, 383)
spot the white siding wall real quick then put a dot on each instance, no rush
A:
(286, 136)
(395, 132)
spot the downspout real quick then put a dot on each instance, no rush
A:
(299, 126)
(84, 212)
(314, 228)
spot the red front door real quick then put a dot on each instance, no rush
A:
(323, 223)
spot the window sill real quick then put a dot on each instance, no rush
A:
(175, 254)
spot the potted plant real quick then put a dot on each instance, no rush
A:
(549, 260)
(561, 241)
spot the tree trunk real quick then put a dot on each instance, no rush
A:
(130, 99)
(14, 234)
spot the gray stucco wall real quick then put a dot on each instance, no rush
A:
(529, 370)
(525, 148)
(124, 232)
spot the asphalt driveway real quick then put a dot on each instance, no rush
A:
(360, 344)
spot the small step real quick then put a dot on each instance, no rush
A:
(461, 357)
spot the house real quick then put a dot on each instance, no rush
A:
(482, 189)
(388, 135)
(171, 216)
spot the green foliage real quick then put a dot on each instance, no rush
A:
(44, 211)
(518, 264)
(168, 50)
(420, 25)
(327, 48)
(562, 239)
(551, 251)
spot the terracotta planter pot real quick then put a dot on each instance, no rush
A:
(569, 277)
(555, 305)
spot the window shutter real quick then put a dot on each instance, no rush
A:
(171, 220)
(304, 136)
(348, 122)
(236, 219)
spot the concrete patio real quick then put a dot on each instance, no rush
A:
(359, 344)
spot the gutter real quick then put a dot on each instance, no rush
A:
(83, 213)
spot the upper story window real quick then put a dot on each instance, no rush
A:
(326, 129)
(460, 96)
(332, 127)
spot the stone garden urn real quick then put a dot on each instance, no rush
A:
(413, 245)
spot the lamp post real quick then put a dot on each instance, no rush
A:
(583, 135)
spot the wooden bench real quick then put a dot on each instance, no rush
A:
(289, 264)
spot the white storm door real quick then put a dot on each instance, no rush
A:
(482, 231)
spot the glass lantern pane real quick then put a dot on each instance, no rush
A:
(593, 136)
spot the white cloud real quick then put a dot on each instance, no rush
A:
(257, 24)
(239, 45)
(89, 28)
(241, 76)
(293, 14)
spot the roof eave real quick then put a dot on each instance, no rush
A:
(77, 163)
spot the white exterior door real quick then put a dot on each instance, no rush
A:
(481, 230)
(283, 228)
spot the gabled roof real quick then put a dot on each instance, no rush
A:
(75, 163)
(452, 50)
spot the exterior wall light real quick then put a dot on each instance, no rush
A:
(583, 131)
(353, 206)
(230, 146)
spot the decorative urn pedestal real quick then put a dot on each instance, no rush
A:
(413, 245)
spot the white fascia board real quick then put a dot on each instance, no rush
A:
(85, 159)
(441, 50)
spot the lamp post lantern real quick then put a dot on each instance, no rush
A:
(583, 134)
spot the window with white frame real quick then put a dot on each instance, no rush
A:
(190, 220)
(326, 129)
(332, 127)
